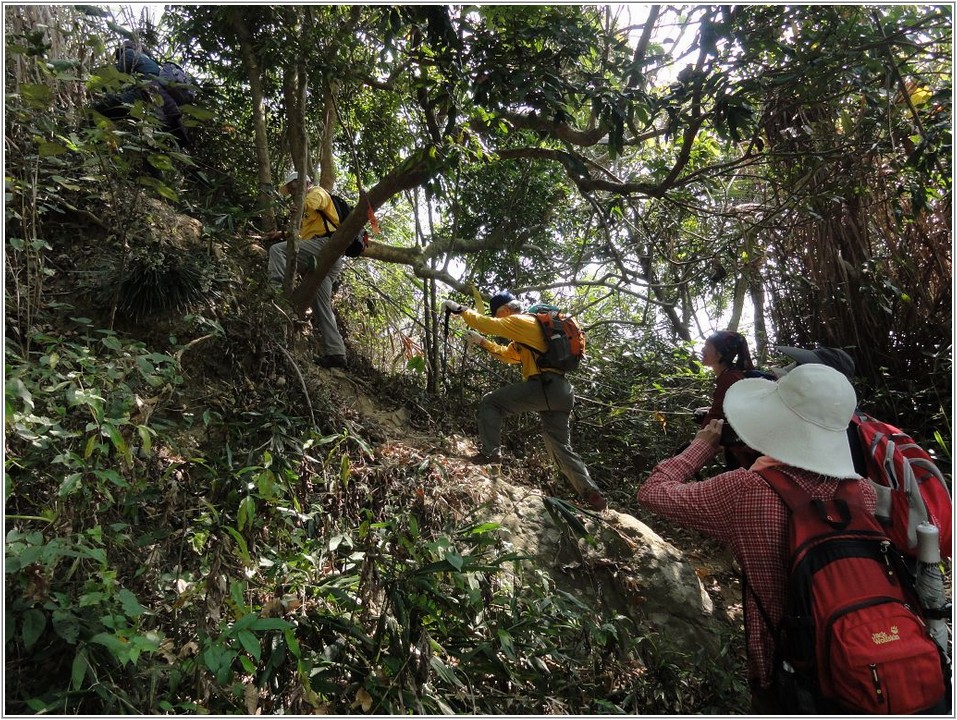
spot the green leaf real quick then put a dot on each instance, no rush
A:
(118, 442)
(214, 657)
(66, 625)
(63, 182)
(80, 665)
(481, 529)
(246, 512)
(244, 623)
(159, 186)
(34, 623)
(242, 550)
(269, 624)
(292, 643)
(98, 554)
(37, 94)
(71, 483)
(344, 472)
(146, 438)
(131, 605)
(198, 112)
(505, 640)
(444, 671)
(50, 149)
(16, 388)
(439, 566)
(250, 644)
(112, 342)
(160, 162)
(561, 510)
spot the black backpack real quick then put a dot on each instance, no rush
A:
(360, 242)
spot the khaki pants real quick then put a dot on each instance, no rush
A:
(323, 317)
(552, 397)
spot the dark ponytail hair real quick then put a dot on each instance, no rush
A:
(732, 349)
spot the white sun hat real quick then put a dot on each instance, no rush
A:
(800, 420)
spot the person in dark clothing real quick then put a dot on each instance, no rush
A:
(152, 88)
(726, 353)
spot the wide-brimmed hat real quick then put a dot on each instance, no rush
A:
(800, 420)
(832, 357)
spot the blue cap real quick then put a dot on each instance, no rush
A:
(499, 299)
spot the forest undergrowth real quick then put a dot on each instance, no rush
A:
(198, 521)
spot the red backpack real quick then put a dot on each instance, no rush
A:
(851, 639)
(918, 491)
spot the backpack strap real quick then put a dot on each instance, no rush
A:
(326, 220)
(536, 353)
(835, 512)
(779, 483)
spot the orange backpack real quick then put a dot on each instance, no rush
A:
(563, 336)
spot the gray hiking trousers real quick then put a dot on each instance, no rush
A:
(552, 397)
(332, 343)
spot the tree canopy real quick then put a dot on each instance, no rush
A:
(561, 150)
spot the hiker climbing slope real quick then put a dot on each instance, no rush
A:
(544, 390)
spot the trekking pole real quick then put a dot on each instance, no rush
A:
(930, 585)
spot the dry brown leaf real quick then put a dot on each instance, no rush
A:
(363, 700)
(252, 699)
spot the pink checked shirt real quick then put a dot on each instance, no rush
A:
(739, 508)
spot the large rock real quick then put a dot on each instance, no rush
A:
(627, 569)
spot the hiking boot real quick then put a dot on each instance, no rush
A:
(331, 361)
(596, 500)
(481, 458)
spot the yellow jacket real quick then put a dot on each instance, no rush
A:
(314, 224)
(521, 329)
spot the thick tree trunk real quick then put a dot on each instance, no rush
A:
(327, 165)
(254, 74)
(737, 304)
(412, 172)
(756, 290)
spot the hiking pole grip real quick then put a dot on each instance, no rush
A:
(928, 543)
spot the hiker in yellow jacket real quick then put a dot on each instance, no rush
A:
(546, 391)
(314, 232)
